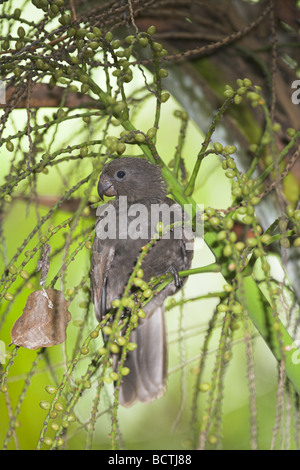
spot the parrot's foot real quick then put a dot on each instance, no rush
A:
(178, 281)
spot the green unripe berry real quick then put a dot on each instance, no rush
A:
(17, 13)
(204, 387)
(24, 274)
(59, 406)
(144, 286)
(10, 146)
(140, 137)
(21, 32)
(218, 147)
(107, 330)
(140, 273)
(230, 149)
(13, 269)
(5, 45)
(84, 350)
(7, 198)
(228, 93)
(121, 147)
(84, 78)
(88, 245)
(8, 296)
(230, 173)
(147, 293)
(210, 211)
(229, 223)
(157, 47)
(253, 148)
(114, 376)
(236, 192)
(234, 325)
(130, 39)
(97, 32)
(290, 211)
(242, 90)
(65, 19)
(297, 242)
(131, 346)
(285, 242)
(237, 308)
(227, 251)
(290, 132)
(247, 82)
(109, 36)
(116, 303)
(255, 200)
(125, 370)
(45, 405)
(141, 313)
(114, 348)
(134, 318)
(265, 238)
(237, 99)
(231, 163)
(232, 237)
(94, 334)
(137, 281)
(164, 97)
(93, 45)
(214, 221)
(151, 30)
(43, 238)
(130, 304)
(151, 133)
(258, 252)
(222, 308)
(248, 219)
(143, 42)
(121, 340)
(162, 73)
(48, 441)
(116, 44)
(221, 235)
(239, 246)
(160, 228)
(53, 414)
(51, 389)
(19, 45)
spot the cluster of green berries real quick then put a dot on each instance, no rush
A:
(56, 409)
(245, 88)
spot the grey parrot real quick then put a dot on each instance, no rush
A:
(140, 184)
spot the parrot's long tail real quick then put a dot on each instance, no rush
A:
(146, 380)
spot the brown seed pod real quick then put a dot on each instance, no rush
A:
(43, 322)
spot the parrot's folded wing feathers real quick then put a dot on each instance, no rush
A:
(102, 257)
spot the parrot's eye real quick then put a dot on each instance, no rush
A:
(120, 174)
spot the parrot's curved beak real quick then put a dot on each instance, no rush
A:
(105, 187)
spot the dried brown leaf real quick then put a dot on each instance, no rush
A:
(41, 325)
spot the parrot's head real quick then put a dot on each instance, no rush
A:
(133, 177)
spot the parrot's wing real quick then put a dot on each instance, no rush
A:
(102, 256)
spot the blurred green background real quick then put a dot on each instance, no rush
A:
(165, 423)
